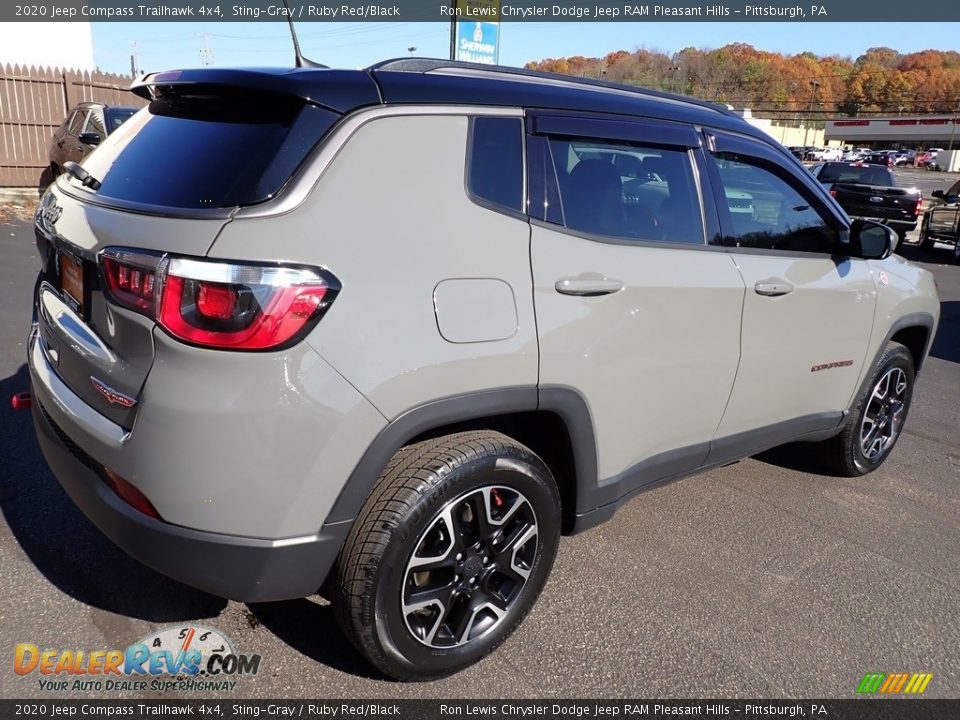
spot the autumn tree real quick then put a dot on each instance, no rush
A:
(882, 80)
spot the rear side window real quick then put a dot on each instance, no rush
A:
(495, 161)
(208, 150)
(627, 190)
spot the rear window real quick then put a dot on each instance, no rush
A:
(207, 150)
(856, 175)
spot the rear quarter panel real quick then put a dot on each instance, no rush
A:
(390, 217)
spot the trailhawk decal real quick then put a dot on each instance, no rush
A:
(831, 365)
(114, 397)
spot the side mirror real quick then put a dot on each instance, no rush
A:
(937, 194)
(871, 240)
(89, 138)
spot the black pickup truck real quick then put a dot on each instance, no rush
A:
(871, 192)
(942, 221)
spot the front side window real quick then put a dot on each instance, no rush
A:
(766, 211)
(627, 190)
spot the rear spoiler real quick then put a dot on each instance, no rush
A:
(337, 90)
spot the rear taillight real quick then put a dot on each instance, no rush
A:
(241, 307)
(919, 207)
(221, 305)
(130, 277)
(833, 193)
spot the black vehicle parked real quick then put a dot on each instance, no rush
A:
(881, 157)
(84, 128)
(942, 221)
(870, 191)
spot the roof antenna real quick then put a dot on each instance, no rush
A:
(300, 61)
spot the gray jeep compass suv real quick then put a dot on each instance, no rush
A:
(390, 332)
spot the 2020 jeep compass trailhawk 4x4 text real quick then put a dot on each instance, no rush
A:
(430, 317)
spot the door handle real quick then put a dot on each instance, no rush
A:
(773, 287)
(588, 285)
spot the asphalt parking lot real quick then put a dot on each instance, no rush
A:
(763, 578)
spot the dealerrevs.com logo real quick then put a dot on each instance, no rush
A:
(194, 658)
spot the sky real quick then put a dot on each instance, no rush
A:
(162, 46)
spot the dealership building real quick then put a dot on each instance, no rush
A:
(925, 131)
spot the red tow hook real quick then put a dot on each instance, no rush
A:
(21, 401)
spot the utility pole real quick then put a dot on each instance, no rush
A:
(814, 84)
(953, 126)
(135, 58)
(453, 30)
(206, 52)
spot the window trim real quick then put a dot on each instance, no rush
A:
(539, 206)
(627, 242)
(657, 133)
(520, 214)
(809, 188)
(583, 126)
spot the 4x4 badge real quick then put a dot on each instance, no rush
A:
(113, 397)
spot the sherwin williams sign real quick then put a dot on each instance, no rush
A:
(478, 31)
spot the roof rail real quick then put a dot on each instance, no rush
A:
(428, 65)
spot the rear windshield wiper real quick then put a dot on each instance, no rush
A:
(85, 178)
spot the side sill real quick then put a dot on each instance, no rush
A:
(648, 474)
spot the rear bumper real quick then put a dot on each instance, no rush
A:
(239, 568)
(904, 225)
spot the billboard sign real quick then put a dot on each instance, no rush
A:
(477, 31)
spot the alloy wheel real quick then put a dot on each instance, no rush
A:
(469, 566)
(884, 414)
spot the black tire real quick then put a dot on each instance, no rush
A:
(846, 453)
(926, 242)
(956, 250)
(46, 178)
(422, 488)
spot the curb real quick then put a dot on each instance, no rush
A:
(18, 195)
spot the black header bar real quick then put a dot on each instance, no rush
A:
(852, 11)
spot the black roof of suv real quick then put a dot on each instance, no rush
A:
(414, 80)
